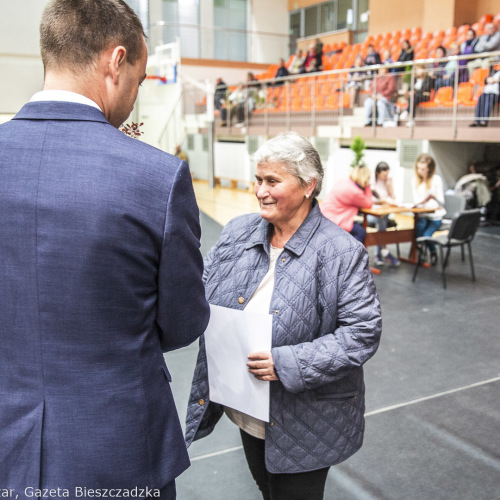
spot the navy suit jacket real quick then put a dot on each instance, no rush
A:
(100, 272)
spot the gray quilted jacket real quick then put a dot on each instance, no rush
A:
(326, 324)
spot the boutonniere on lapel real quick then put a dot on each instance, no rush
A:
(132, 130)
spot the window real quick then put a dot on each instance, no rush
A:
(229, 42)
(343, 7)
(182, 18)
(326, 17)
(311, 26)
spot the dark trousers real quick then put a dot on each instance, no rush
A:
(484, 106)
(359, 232)
(298, 486)
(237, 109)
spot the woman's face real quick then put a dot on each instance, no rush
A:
(383, 175)
(423, 170)
(470, 35)
(439, 53)
(282, 198)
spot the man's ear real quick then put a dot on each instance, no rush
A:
(116, 61)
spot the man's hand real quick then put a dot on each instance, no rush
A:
(261, 365)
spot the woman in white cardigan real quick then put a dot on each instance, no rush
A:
(428, 192)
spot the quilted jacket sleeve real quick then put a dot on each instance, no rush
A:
(358, 328)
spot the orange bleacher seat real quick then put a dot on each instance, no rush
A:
(414, 39)
(306, 104)
(478, 76)
(416, 30)
(405, 34)
(327, 48)
(319, 102)
(463, 29)
(464, 94)
(422, 53)
(438, 34)
(443, 94)
(486, 18)
(448, 41)
(475, 97)
(296, 104)
(294, 90)
(451, 31)
(331, 102)
(478, 28)
(347, 100)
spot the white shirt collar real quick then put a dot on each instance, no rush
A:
(64, 96)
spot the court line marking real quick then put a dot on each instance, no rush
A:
(433, 396)
(374, 412)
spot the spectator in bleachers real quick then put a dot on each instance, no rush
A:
(428, 192)
(282, 72)
(406, 53)
(220, 93)
(447, 78)
(252, 81)
(297, 62)
(487, 101)
(241, 98)
(384, 88)
(355, 80)
(489, 42)
(422, 91)
(383, 194)
(386, 57)
(372, 56)
(466, 48)
(311, 62)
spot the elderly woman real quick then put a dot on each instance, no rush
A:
(293, 263)
(342, 203)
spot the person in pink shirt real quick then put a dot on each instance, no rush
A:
(342, 203)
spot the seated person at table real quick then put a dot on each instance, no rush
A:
(384, 87)
(383, 194)
(342, 203)
(428, 192)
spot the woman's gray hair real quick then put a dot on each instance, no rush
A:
(297, 156)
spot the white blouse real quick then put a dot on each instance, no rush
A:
(420, 192)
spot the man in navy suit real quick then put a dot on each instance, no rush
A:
(100, 272)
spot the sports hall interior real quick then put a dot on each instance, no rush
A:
(433, 387)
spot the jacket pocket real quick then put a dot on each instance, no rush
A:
(335, 395)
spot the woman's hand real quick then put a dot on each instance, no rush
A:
(261, 365)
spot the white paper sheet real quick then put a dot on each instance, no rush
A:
(231, 335)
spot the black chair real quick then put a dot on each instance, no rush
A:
(462, 231)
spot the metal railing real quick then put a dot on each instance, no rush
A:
(325, 99)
